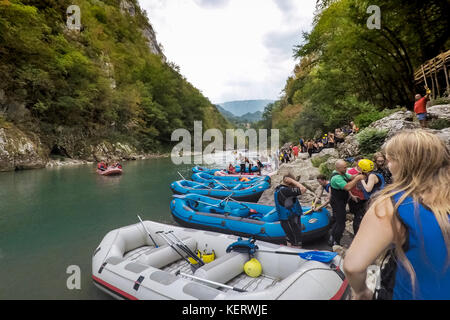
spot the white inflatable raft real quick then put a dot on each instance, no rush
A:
(127, 265)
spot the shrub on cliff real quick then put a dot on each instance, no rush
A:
(370, 140)
(317, 161)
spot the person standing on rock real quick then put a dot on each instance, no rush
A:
(289, 208)
(295, 150)
(412, 213)
(420, 108)
(341, 182)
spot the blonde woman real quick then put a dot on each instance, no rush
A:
(413, 214)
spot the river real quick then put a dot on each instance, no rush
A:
(54, 218)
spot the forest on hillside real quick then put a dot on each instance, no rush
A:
(348, 71)
(102, 80)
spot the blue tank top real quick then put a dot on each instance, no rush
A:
(427, 253)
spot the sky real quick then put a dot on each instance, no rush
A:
(232, 49)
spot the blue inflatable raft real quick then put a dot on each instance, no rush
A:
(240, 192)
(197, 169)
(204, 177)
(243, 218)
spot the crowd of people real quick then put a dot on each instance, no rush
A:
(310, 146)
(400, 199)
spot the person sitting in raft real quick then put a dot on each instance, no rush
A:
(289, 208)
(102, 166)
(231, 169)
(117, 165)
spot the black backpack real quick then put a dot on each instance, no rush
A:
(387, 275)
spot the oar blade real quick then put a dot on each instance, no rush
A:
(321, 256)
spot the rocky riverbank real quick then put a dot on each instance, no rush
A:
(304, 169)
(21, 149)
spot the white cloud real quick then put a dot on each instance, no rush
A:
(231, 49)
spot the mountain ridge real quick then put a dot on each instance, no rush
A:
(242, 107)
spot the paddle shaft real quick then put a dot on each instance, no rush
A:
(185, 248)
(210, 282)
(145, 228)
(173, 247)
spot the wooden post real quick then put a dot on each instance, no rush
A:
(438, 90)
(446, 75)
(433, 90)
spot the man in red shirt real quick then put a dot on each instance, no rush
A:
(420, 108)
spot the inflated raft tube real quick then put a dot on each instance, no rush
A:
(244, 219)
(111, 171)
(206, 178)
(127, 265)
(239, 192)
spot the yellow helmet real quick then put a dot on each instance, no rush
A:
(253, 268)
(208, 257)
(366, 165)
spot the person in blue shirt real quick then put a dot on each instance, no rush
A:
(411, 214)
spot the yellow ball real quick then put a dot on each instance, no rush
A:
(253, 268)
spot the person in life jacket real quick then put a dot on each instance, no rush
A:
(412, 214)
(231, 169)
(341, 182)
(374, 181)
(289, 208)
(101, 166)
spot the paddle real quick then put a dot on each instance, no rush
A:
(172, 245)
(209, 281)
(148, 232)
(184, 247)
(312, 207)
(321, 256)
(250, 247)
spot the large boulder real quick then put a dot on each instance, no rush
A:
(440, 111)
(348, 148)
(396, 122)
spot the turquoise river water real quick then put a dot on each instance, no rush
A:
(54, 218)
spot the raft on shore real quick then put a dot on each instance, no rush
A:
(244, 218)
(128, 265)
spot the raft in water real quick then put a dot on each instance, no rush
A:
(239, 192)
